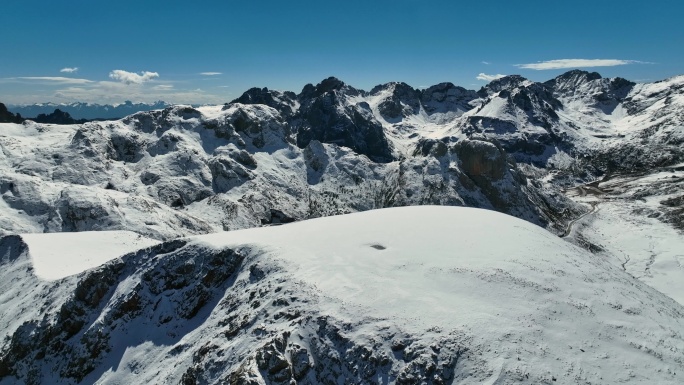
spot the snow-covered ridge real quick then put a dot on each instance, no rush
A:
(58, 255)
(272, 157)
(430, 298)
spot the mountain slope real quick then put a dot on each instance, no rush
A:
(181, 171)
(429, 299)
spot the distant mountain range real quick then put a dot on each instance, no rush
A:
(89, 111)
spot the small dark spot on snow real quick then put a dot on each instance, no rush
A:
(378, 247)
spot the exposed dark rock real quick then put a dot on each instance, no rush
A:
(58, 117)
(571, 80)
(11, 248)
(330, 84)
(126, 147)
(325, 116)
(481, 160)
(446, 97)
(277, 217)
(186, 279)
(228, 173)
(252, 127)
(284, 102)
(403, 101)
(300, 362)
(434, 147)
(606, 93)
(615, 91)
(8, 117)
(509, 83)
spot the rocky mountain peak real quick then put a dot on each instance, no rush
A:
(330, 84)
(505, 83)
(444, 87)
(327, 115)
(57, 117)
(395, 87)
(572, 80)
(284, 102)
(590, 86)
(446, 97)
(402, 100)
(578, 74)
(535, 99)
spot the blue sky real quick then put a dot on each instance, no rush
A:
(212, 51)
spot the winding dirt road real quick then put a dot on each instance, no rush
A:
(594, 209)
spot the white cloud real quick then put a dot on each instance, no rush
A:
(55, 79)
(486, 62)
(113, 92)
(211, 73)
(489, 78)
(137, 87)
(132, 77)
(575, 63)
(69, 70)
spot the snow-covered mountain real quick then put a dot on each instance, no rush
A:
(333, 149)
(405, 295)
(181, 171)
(89, 111)
(581, 156)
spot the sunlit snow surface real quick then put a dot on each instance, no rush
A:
(626, 228)
(522, 302)
(58, 255)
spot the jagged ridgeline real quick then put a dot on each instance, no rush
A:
(273, 157)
